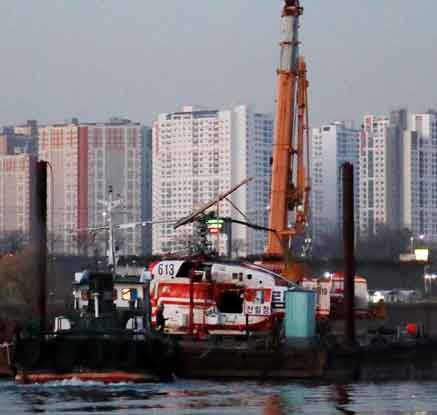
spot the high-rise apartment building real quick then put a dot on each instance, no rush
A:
(198, 154)
(86, 160)
(380, 172)
(419, 186)
(252, 152)
(59, 144)
(20, 139)
(17, 194)
(331, 145)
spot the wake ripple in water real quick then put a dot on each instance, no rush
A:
(211, 398)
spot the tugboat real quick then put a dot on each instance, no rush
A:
(105, 336)
(96, 340)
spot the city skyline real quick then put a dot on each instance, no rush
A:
(387, 185)
(125, 61)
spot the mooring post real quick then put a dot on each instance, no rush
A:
(349, 253)
(41, 240)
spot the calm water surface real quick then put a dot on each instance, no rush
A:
(201, 397)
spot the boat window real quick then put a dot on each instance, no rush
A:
(230, 301)
(249, 276)
(240, 276)
(129, 294)
(235, 276)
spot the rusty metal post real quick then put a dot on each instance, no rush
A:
(349, 253)
(41, 221)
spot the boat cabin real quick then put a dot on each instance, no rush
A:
(127, 292)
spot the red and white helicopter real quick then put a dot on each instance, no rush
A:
(205, 295)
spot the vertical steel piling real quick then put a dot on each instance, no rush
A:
(349, 253)
(41, 220)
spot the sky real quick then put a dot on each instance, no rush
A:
(94, 59)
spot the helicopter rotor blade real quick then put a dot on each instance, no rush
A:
(190, 218)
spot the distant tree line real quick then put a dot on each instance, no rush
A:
(385, 244)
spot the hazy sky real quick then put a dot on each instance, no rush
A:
(136, 58)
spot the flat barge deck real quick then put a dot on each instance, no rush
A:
(198, 360)
(373, 363)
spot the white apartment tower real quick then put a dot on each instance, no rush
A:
(198, 154)
(331, 145)
(380, 174)
(86, 159)
(419, 187)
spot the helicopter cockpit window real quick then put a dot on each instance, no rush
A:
(186, 270)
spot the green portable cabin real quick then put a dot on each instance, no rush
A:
(300, 314)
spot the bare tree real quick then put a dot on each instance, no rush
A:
(14, 241)
(328, 245)
(185, 244)
(55, 242)
(86, 242)
(19, 282)
(386, 244)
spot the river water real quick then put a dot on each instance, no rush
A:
(219, 398)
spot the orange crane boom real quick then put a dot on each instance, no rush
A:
(290, 183)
